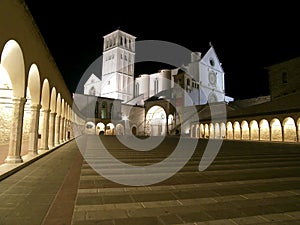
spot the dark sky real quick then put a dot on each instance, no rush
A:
(247, 37)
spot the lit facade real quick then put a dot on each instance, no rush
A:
(202, 79)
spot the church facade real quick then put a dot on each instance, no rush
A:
(202, 79)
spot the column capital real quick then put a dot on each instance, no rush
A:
(45, 110)
(35, 106)
(20, 100)
(53, 113)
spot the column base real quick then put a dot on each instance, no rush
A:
(32, 153)
(13, 159)
(44, 148)
(42, 151)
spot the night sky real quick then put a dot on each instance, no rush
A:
(247, 37)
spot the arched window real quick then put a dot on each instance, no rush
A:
(104, 110)
(156, 86)
(188, 82)
(137, 89)
(92, 91)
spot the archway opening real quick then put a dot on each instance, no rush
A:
(100, 128)
(110, 129)
(156, 121)
(229, 130)
(289, 130)
(245, 130)
(264, 130)
(90, 128)
(134, 131)
(254, 130)
(237, 131)
(276, 131)
(6, 94)
(120, 129)
(206, 130)
(217, 131)
(211, 131)
(202, 131)
(170, 122)
(223, 130)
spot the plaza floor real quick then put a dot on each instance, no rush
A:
(247, 183)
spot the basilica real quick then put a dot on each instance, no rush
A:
(202, 78)
(199, 82)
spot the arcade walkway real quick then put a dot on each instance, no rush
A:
(248, 183)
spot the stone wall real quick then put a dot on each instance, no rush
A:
(5, 121)
(284, 78)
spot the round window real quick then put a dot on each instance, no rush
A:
(212, 77)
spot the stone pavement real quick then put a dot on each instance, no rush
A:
(248, 183)
(44, 191)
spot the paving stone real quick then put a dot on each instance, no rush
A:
(244, 185)
(249, 220)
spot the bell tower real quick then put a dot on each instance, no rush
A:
(118, 66)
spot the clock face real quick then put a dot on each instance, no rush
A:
(212, 78)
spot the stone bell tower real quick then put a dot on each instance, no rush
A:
(118, 66)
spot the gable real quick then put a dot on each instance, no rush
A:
(92, 79)
(211, 59)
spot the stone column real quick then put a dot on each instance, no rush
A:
(57, 129)
(15, 141)
(282, 133)
(65, 130)
(45, 129)
(34, 130)
(61, 133)
(51, 129)
(297, 133)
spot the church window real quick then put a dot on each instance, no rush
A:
(211, 62)
(108, 82)
(125, 57)
(121, 56)
(285, 77)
